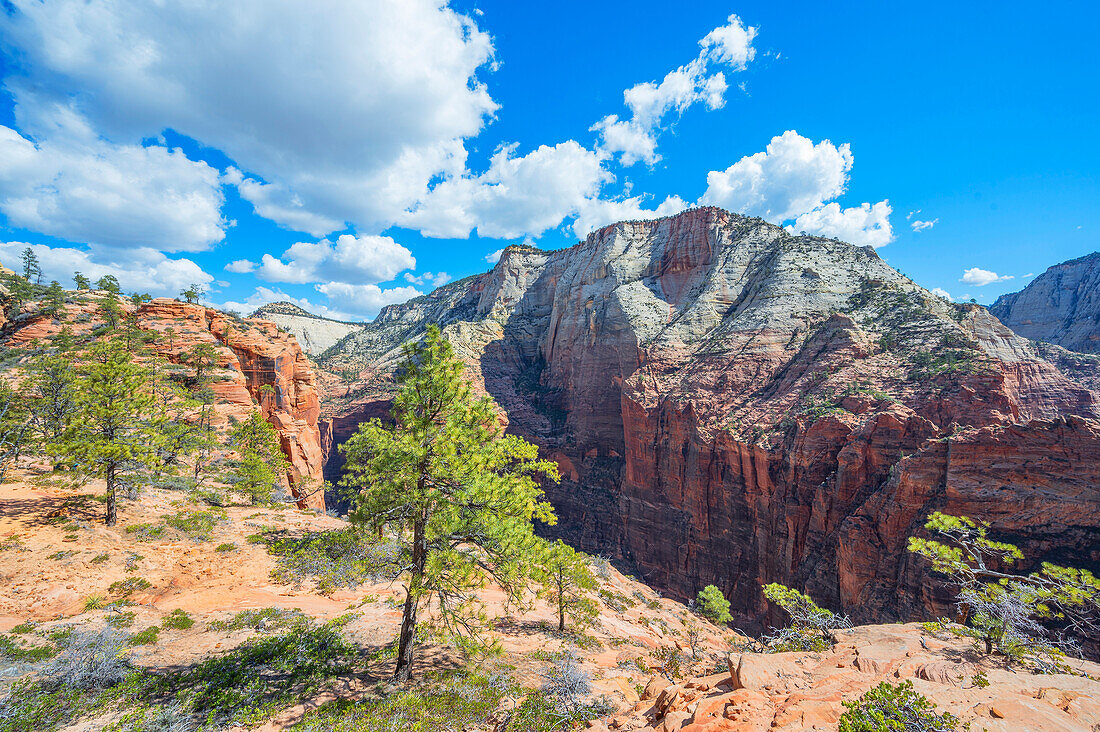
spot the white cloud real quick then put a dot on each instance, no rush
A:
(140, 269)
(598, 212)
(982, 277)
(437, 279)
(74, 185)
(240, 266)
(940, 292)
(351, 258)
(515, 197)
(864, 225)
(793, 176)
(635, 138)
(911, 214)
(365, 300)
(494, 257)
(1029, 274)
(919, 225)
(344, 111)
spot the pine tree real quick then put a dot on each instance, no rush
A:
(110, 311)
(261, 465)
(13, 426)
(567, 580)
(82, 282)
(459, 496)
(52, 389)
(109, 284)
(114, 426)
(193, 293)
(54, 302)
(32, 269)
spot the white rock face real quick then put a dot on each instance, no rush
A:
(314, 334)
(1060, 306)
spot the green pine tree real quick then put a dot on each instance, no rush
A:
(14, 426)
(567, 580)
(261, 465)
(32, 269)
(109, 284)
(51, 387)
(82, 282)
(115, 426)
(458, 496)
(54, 302)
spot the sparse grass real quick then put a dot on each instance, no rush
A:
(145, 532)
(267, 619)
(100, 558)
(59, 556)
(121, 619)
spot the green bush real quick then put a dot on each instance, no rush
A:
(178, 620)
(199, 525)
(889, 708)
(333, 559)
(128, 586)
(145, 637)
(226, 548)
(810, 624)
(713, 605)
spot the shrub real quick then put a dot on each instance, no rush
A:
(334, 559)
(198, 525)
(226, 548)
(809, 627)
(146, 637)
(567, 683)
(128, 586)
(266, 619)
(145, 532)
(178, 619)
(121, 619)
(713, 605)
(93, 602)
(23, 628)
(670, 659)
(889, 708)
(100, 558)
(89, 659)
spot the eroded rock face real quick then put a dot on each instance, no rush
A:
(1061, 306)
(733, 405)
(258, 367)
(314, 334)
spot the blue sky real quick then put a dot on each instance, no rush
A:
(346, 155)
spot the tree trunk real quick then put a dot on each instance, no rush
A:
(407, 639)
(112, 479)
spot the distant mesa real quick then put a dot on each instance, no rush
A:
(315, 334)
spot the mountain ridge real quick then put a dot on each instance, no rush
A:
(1060, 306)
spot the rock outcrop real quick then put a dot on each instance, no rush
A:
(1060, 306)
(734, 405)
(314, 334)
(807, 691)
(258, 367)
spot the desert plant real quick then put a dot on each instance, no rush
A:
(146, 637)
(89, 659)
(178, 619)
(890, 708)
(713, 605)
(568, 683)
(566, 582)
(809, 625)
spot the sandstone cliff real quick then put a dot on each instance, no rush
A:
(732, 404)
(1062, 306)
(314, 334)
(252, 354)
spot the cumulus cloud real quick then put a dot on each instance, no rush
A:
(596, 212)
(494, 257)
(141, 269)
(864, 225)
(437, 279)
(240, 266)
(940, 292)
(516, 196)
(919, 225)
(75, 185)
(982, 277)
(792, 176)
(335, 111)
(634, 138)
(364, 300)
(350, 258)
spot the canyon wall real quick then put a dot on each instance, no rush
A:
(733, 404)
(1060, 306)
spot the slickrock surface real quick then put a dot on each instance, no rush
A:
(806, 691)
(313, 333)
(252, 354)
(735, 405)
(1062, 306)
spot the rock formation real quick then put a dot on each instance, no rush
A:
(1061, 306)
(733, 404)
(313, 333)
(258, 367)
